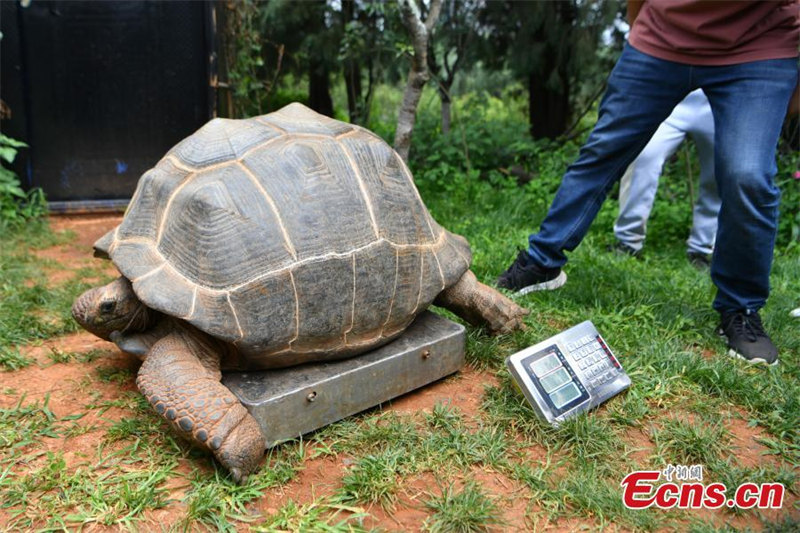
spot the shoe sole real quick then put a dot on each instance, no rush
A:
(736, 355)
(754, 361)
(554, 283)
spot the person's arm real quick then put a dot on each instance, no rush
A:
(634, 6)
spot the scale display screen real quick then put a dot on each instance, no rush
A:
(568, 373)
(555, 379)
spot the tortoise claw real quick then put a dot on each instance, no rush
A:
(242, 450)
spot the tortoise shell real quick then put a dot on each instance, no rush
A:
(288, 233)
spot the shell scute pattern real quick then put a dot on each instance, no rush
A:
(321, 205)
(150, 199)
(290, 232)
(216, 239)
(222, 140)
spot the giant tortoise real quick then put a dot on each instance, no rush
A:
(268, 242)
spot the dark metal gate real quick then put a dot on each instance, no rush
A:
(101, 90)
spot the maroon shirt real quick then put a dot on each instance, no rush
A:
(702, 32)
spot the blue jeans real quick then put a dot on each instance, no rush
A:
(748, 101)
(637, 190)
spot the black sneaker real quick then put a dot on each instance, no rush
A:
(524, 276)
(621, 248)
(699, 260)
(747, 339)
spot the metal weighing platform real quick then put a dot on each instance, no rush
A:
(293, 401)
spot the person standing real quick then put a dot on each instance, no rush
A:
(743, 54)
(637, 189)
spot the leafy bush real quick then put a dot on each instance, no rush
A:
(788, 179)
(489, 140)
(16, 205)
(489, 148)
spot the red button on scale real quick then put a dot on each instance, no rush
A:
(608, 352)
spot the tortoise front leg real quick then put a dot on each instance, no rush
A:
(181, 379)
(481, 305)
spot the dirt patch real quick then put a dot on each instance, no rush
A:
(87, 228)
(511, 498)
(744, 438)
(66, 385)
(463, 390)
(78, 253)
(410, 511)
(77, 343)
(639, 447)
(319, 478)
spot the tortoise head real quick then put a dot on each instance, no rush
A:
(113, 307)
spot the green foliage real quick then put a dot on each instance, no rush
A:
(487, 149)
(562, 53)
(788, 180)
(16, 205)
(373, 479)
(683, 442)
(251, 59)
(215, 500)
(22, 425)
(29, 308)
(315, 517)
(11, 359)
(465, 510)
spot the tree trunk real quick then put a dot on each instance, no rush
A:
(548, 109)
(352, 82)
(418, 75)
(548, 104)
(352, 70)
(444, 96)
(319, 93)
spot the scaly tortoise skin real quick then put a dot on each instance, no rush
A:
(269, 242)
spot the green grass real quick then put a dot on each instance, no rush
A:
(11, 359)
(321, 516)
(23, 425)
(373, 479)
(461, 510)
(216, 502)
(687, 443)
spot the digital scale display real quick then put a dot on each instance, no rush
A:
(568, 373)
(555, 379)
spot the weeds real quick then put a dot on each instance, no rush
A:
(21, 425)
(318, 517)
(29, 309)
(465, 510)
(11, 359)
(683, 442)
(373, 479)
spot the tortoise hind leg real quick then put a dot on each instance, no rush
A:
(481, 305)
(181, 379)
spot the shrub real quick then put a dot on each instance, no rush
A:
(16, 205)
